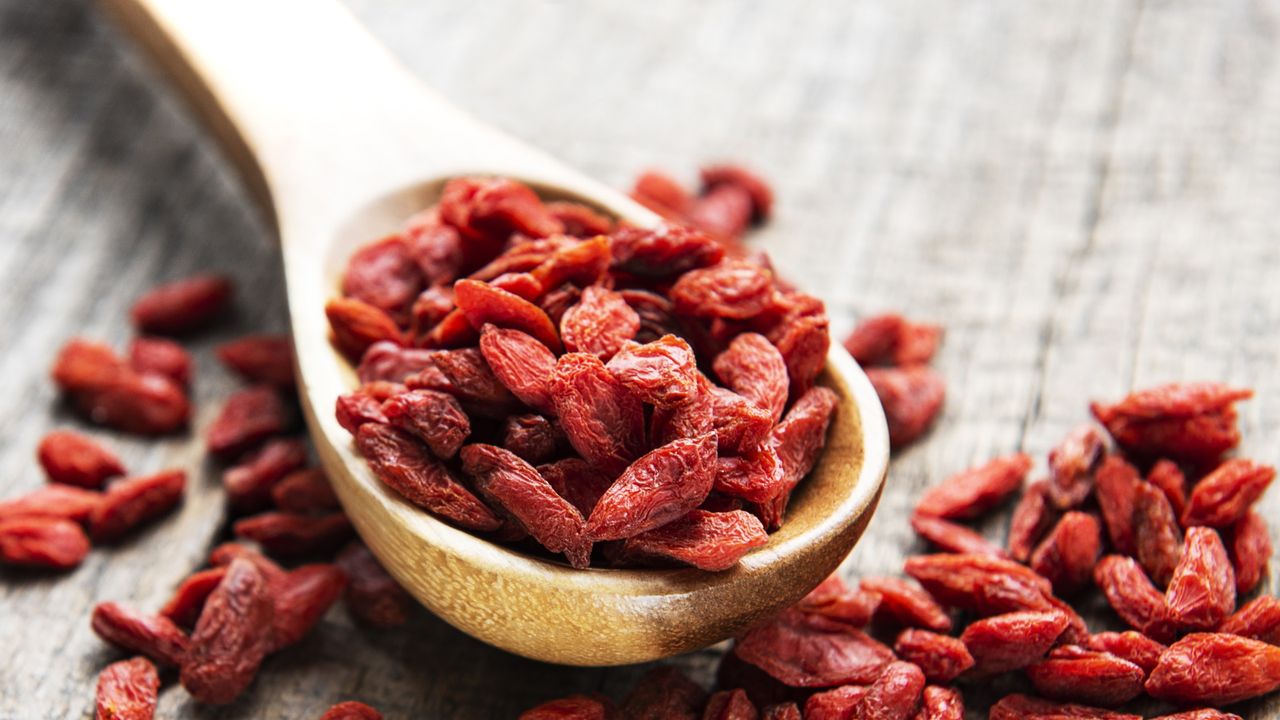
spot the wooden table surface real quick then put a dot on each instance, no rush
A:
(1084, 193)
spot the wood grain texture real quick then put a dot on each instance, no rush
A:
(1083, 193)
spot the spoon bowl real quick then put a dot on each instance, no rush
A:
(341, 146)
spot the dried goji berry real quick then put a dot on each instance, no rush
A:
(407, 467)
(1258, 619)
(158, 356)
(1166, 475)
(385, 275)
(953, 537)
(1133, 597)
(602, 419)
(436, 248)
(1215, 669)
(742, 427)
(1223, 496)
(912, 398)
(1071, 466)
(731, 289)
(835, 600)
(248, 485)
(1013, 640)
(432, 416)
(231, 636)
(574, 707)
(75, 459)
(358, 325)
(1194, 422)
(523, 364)
(891, 339)
(466, 375)
(127, 690)
(288, 534)
(599, 323)
(661, 194)
(357, 408)
(838, 704)
(714, 176)
(300, 599)
(522, 285)
(804, 343)
(1032, 518)
(781, 711)
(42, 542)
(757, 479)
(1117, 483)
(894, 695)
(224, 554)
(798, 440)
(351, 710)
(484, 303)
(980, 583)
(975, 491)
(664, 484)
(1203, 714)
(1130, 645)
(432, 306)
(182, 305)
(495, 207)
(581, 263)
(372, 596)
(1067, 556)
(730, 705)
(1099, 678)
(806, 650)
(665, 251)
(941, 703)
(260, 359)
(184, 606)
(248, 417)
(753, 368)
(388, 362)
(105, 390)
(1156, 533)
(304, 491)
(1202, 591)
(155, 636)
(723, 212)
(1250, 551)
(134, 501)
(663, 372)
(580, 220)
(941, 657)
(58, 502)
(907, 603)
(577, 481)
(1022, 707)
(664, 693)
(706, 540)
(513, 484)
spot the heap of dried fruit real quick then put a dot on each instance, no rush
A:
(529, 370)
(1176, 549)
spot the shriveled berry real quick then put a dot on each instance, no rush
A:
(1215, 669)
(663, 372)
(1098, 678)
(106, 391)
(230, 638)
(730, 705)
(798, 440)
(155, 636)
(351, 710)
(1117, 483)
(1202, 591)
(753, 368)
(1258, 619)
(835, 600)
(1194, 421)
(1013, 640)
(1033, 516)
(1223, 496)
(1022, 707)
(804, 343)
(372, 596)
(514, 485)
(953, 537)
(434, 417)
(56, 502)
(664, 484)
(357, 408)
(664, 693)
(580, 220)
(158, 356)
(127, 690)
(1067, 556)
(602, 419)
(249, 484)
(731, 289)
(912, 398)
(248, 417)
(781, 711)
(407, 467)
(357, 326)
(1167, 476)
(1130, 645)
(436, 248)
(1202, 714)
(743, 428)
(134, 501)
(838, 704)
(665, 251)
(706, 540)
(1133, 597)
(534, 438)
(577, 481)
(523, 364)
(484, 304)
(1250, 551)
(891, 339)
(388, 362)
(663, 195)
(466, 375)
(1071, 466)
(757, 479)
(184, 606)
(384, 274)
(75, 459)
(260, 359)
(599, 323)
(224, 554)
(894, 695)
(805, 650)
(907, 603)
(723, 212)
(1156, 533)
(975, 491)
(289, 534)
(941, 657)
(574, 707)
(941, 703)
(182, 305)
(980, 583)
(304, 491)
(42, 542)
(300, 599)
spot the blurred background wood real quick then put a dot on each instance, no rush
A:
(1083, 193)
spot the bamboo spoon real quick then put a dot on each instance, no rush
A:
(341, 145)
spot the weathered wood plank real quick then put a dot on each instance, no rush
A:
(1081, 192)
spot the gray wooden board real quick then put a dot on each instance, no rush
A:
(1083, 193)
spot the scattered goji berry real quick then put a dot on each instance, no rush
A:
(300, 599)
(1098, 678)
(1067, 556)
(805, 650)
(842, 702)
(912, 398)
(659, 487)
(372, 596)
(942, 658)
(131, 502)
(249, 484)
(1022, 707)
(56, 502)
(941, 703)
(1215, 669)
(1166, 475)
(730, 705)
(1013, 640)
(835, 600)
(706, 540)
(891, 339)
(288, 534)
(1133, 597)
(1130, 645)
(980, 583)
(304, 491)
(1033, 516)
(182, 305)
(248, 417)
(1116, 484)
(127, 690)
(723, 211)
(1202, 591)
(1258, 619)
(1250, 551)
(574, 707)
(975, 491)
(106, 391)
(1071, 465)
(907, 603)
(155, 636)
(158, 356)
(351, 710)
(664, 693)
(953, 537)
(1225, 495)
(599, 323)
(260, 359)
(42, 542)
(75, 459)
(662, 194)
(1194, 422)
(184, 606)
(1156, 533)
(230, 638)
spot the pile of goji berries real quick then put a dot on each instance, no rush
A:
(618, 395)
(1180, 546)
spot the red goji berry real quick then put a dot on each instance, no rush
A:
(664, 693)
(941, 657)
(357, 408)
(1098, 678)
(757, 479)
(134, 501)
(941, 703)
(842, 702)
(182, 305)
(249, 484)
(1156, 533)
(980, 583)
(484, 304)
(56, 502)
(388, 362)
(663, 372)
(1202, 590)
(662, 194)
(577, 481)
(1130, 645)
(432, 306)
(260, 359)
(805, 650)
(224, 554)
(574, 707)
(1013, 640)
(907, 603)
(706, 540)
(599, 323)
(602, 419)
(1067, 556)
(184, 607)
(434, 417)
(466, 375)
(522, 363)
(953, 537)
(731, 289)
(1223, 496)
(730, 705)
(1250, 551)
(1071, 465)
(804, 343)
(798, 440)
(435, 247)
(1203, 714)
(1258, 619)
(385, 275)
(158, 356)
(1116, 484)
(288, 534)
(891, 339)
(1133, 597)
(300, 599)
(75, 459)
(723, 212)
(1194, 422)
(975, 491)
(357, 326)
(580, 220)
(665, 251)
(781, 711)
(664, 484)
(533, 438)
(753, 368)
(248, 417)
(351, 710)
(1215, 669)
(835, 600)
(42, 542)
(106, 391)
(1032, 518)
(894, 695)
(304, 491)
(155, 636)
(127, 690)
(372, 596)
(912, 398)
(742, 427)
(231, 637)
(1166, 475)
(1022, 707)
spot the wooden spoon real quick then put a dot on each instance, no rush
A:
(341, 145)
